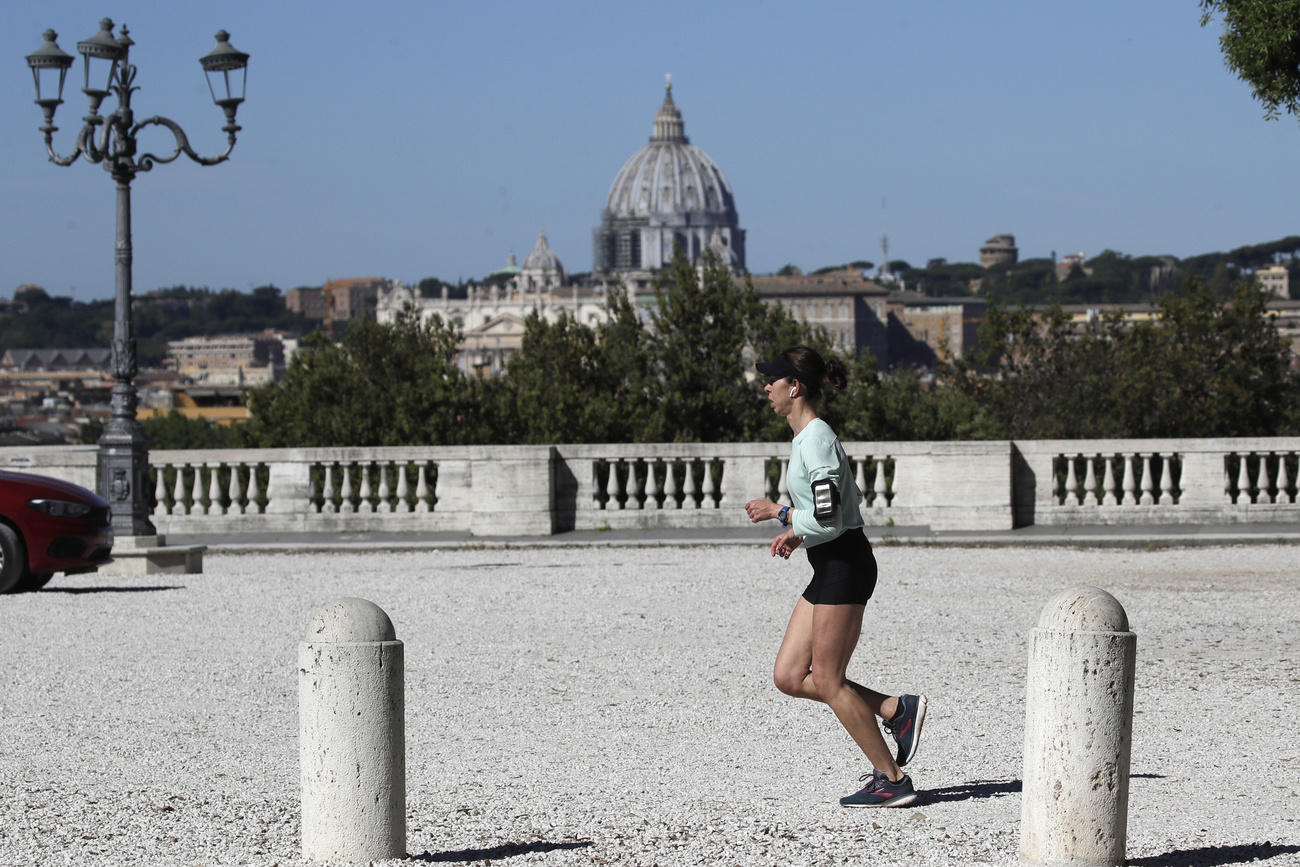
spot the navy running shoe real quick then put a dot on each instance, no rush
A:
(906, 726)
(879, 792)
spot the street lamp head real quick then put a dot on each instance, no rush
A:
(100, 49)
(226, 69)
(51, 63)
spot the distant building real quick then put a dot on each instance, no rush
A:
(307, 301)
(338, 300)
(999, 251)
(1067, 263)
(33, 360)
(542, 269)
(492, 317)
(352, 297)
(851, 308)
(899, 328)
(1275, 280)
(924, 331)
(228, 360)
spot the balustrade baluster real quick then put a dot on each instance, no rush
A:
(235, 492)
(597, 487)
(1147, 486)
(690, 487)
(254, 491)
(1283, 480)
(1090, 481)
(196, 493)
(403, 503)
(670, 483)
(637, 482)
(214, 490)
(657, 495)
(1265, 482)
(1130, 482)
(385, 490)
(1167, 481)
(1071, 483)
(611, 486)
(327, 503)
(710, 487)
(1243, 482)
(881, 486)
(346, 506)
(178, 492)
(422, 489)
(365, 505)
(1108, 497)
(159, 493)
(312, 508)
(864, 488)
(782, 485)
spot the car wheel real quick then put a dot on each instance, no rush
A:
(13, 559)
(33, 581)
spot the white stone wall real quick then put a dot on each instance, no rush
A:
(539, 490)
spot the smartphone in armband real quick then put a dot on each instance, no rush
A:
(825, 499)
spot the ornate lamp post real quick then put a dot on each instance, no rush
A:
(111, 140)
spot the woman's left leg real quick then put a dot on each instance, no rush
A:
(836, 629)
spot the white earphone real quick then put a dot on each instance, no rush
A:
(793, 390)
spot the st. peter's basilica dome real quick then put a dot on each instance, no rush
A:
(670, 193)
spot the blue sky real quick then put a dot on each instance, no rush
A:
(414, 139)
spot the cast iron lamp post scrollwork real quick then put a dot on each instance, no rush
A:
(111, 139)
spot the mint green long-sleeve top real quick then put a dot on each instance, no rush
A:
(816, 453)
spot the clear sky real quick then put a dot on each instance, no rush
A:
(409, 139)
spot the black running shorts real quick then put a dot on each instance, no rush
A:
(844, 570)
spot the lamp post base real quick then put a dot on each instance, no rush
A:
(123, 477)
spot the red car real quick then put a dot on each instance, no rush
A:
(49, 526)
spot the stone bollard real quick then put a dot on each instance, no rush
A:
(1078, 731)
(352, 735)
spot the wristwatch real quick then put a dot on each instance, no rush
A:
(784, 516)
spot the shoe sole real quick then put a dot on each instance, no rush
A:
(922, 703)
(900, 801)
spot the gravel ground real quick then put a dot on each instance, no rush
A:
(614, 706)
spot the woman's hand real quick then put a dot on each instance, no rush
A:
(785, 544)
(761, 510)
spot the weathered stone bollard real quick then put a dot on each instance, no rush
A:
(1078, 731)
(352, 735)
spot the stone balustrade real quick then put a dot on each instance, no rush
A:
(1176, 481)
(541, 490)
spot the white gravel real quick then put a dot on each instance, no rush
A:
(614, 706)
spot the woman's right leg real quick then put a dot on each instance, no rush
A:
(793, 670)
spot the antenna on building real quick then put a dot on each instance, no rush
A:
(884, 243)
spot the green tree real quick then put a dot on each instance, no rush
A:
(704, 336)
(902, 405)
(572, 382)
(1261, 44)
(380, 385)
(1203, 367)
(176, 431)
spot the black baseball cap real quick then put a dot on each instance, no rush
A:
(780, 368)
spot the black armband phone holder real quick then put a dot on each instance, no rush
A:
(825, 499)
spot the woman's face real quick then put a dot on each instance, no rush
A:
(778, 395)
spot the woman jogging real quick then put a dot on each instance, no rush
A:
(823, 631)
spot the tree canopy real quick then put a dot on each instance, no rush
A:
(1261, 44)
(1202, 365)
